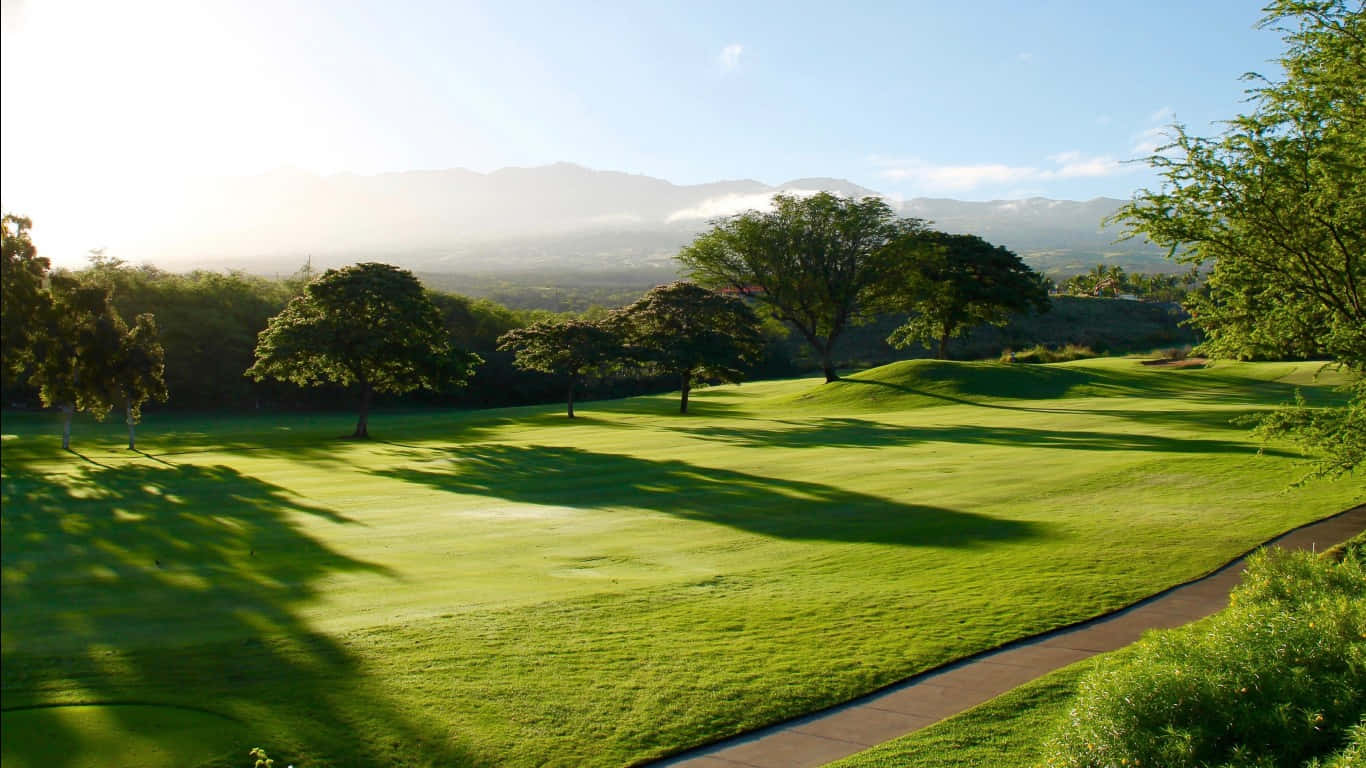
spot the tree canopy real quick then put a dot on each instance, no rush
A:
(685, 330)
(87, 359)
(810, 261)
(368, 325)
(22, 275)
(1275, 208)
(571, 348)
(950, 284)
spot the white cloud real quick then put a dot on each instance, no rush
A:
(1150, 139)
(729, 57)
(729, 205)
(960, 178)
(1074, 165)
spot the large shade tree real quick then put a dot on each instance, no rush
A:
(368, 326)
(1275, 209)
(810, 261)
(86, 358)
(570, 348)
(687, 331)
(950, 284)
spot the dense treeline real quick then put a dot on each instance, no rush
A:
(209, 323)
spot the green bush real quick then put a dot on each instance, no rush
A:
(1277, 679)
(1042, 354)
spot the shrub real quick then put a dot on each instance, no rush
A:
(1277, 679)
(1042, 354)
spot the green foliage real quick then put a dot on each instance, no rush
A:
(1277, 679)
(570, 348)
(1336, 436)
(1044, 354)
(90, 360)
(810, 261)
(370, 325)
(950, 284)
(1276, 208)
(1113, 281)
(22, 298)
(685, 330)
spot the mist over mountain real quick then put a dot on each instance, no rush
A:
(556, 217)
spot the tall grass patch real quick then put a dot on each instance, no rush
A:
(1277, 679)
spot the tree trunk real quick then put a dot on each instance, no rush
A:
(132, 425)
(687, 387)
(67, 410)
(363, 423)
(827, 364)
(944, 344)
(572, 381)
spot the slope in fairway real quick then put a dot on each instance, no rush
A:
(509, 587)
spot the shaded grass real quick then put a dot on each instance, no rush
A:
(513, 588)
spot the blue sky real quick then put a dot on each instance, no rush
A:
(975, 101)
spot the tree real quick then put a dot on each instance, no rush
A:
(370, 326)
(88, 359)
(810, 261)
(571, 348)
(24, 300)
(685, 330)
(140, 371)
(1275, 209)
(950, 284)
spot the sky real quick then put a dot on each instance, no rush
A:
(110, 106)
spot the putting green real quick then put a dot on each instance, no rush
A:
(510, 587)
(99, 736)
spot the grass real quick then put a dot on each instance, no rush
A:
(512, 588)
(1041, 722)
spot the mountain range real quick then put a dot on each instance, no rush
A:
(561, 217)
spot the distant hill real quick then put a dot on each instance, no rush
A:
(560, 217)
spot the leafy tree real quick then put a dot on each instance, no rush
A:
(367, 325)
(89, 360)
(24, 301)
(810, 261)
(571, 348)
(950, 284)
(685, 330)
(1275, 208)
(139, 373)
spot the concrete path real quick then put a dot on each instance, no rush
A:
(932, 696)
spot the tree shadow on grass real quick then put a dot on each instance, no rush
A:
(789, 509)
(861, 433)
(179, 586)
(968, 384)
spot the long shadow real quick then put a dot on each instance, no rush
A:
(788, 509)
(969, 384)
(861, 433)
(179, 586)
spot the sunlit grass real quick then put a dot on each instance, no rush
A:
(513, 588)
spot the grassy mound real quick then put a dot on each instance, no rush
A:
(513, 588)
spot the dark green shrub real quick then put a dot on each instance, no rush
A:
(1277, 679)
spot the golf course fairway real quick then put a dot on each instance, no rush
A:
(510, 587)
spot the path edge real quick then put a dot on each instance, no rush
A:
(763, 730)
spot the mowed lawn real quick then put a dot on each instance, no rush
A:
(509, 587)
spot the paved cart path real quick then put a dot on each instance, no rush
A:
(927, 698)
